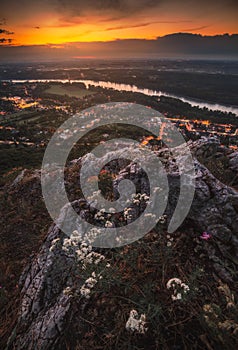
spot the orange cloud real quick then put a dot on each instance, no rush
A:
(64, 21)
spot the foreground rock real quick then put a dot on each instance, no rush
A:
(220, 160)
(49, 283)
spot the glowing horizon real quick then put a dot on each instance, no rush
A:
(64, 29)
(60, 22)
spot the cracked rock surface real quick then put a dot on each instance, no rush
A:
(47, 306)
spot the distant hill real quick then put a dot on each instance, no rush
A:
(196, 44)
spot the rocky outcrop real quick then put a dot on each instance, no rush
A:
(220, 160)
(55, 274)
(46, 304)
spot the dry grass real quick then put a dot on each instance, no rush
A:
(205, 318)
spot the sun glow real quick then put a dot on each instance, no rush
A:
(92, 29)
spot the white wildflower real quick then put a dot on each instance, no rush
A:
(92, 234)
(76, 233)
(98, 216)
(55, 241)
(85, 292)
(67, 242)
(157, 189)
(67, 291)
(178, 296)
(88, 285)
(170, 240)
(179, 288)
(162, 219)
(108, 224)
(82, 251)
(152, 216)
(173, 282)
(136, 323)
(128, 213)
(54, 244)
(185, 287)
(145, 197)
(93, 258)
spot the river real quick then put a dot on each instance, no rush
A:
(133, 88)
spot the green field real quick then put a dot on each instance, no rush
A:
(71, 91)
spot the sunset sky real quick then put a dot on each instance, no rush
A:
(60, 22)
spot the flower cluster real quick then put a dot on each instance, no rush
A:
(68, 291)
(170, 240)
(179, 288)
(81, 250)
(128, 213)
(54, 244)
(138, 198)
(87, 256)
(150, 215)
(108, 224)
(74, 240)
(136, 323)
(92, 234)
(88, 285)
(100, 215)
(162, 219)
